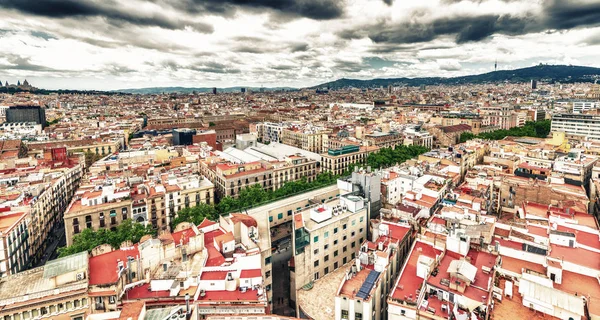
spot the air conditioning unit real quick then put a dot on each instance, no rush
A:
(80, 276)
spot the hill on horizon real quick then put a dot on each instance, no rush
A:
(551, 73)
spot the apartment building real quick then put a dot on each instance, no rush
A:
(98, 146)
(451, 119)
(325, 237)
(46, 203)
(578, 105)
(383, 139)
(363, 290)
(413, 137)
(14, 243)
(337, 161)
(577, 126)
(57, 290)
(309, 139)
(270, 131)
(231, 178)
(97, 208)
(496, 115)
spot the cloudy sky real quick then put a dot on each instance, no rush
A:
(111, 44)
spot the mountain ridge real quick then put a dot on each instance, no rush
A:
(552, 73)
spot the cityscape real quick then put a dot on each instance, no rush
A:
(299, 159)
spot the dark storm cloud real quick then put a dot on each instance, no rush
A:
(260, 46)
(555, 15)
(107, 9)
(464, 28)
(571, 14)
(313, 9)
(388, 2)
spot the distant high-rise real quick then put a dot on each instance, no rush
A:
(243, 90)
(496, 65)
(533, 84)
(35, 114)
(215, 90)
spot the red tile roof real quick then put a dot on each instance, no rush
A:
(252, 273)
(144, 292)
(243, 218)
(408, 281)
(214, 275)
(103, 268)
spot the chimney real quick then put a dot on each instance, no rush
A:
(187, 303)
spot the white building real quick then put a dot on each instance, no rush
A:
(581, 126)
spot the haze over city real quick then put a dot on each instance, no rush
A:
(105, 45)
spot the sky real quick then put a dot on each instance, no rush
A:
(117, 44)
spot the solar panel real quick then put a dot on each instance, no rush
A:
(366, 287)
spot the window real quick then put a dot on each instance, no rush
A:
(353, 234)
(326, 247)
(361, 219)
(267, 260)
(267, 274)
(316, 263)
(357, 316)
(335, 230)
(316, 252)
(111, 299)
(270, 219)
(316, 276)
(335, 265)
(353, 244)
(353, 255)
(360, 230)
(316, 239)
(345, 248)
(280, 215)
(344, 238)
(326, 235)
(326, 271)
(335, 253)
(353, 222)
(362, 239)
(326, 258)
(335, 242)
(344, 226)
(289, 213)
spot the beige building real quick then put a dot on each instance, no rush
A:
(310, 140)
(326, 236)
(47, 206)
(453, 119)
(230, 179)
(91, 212)
(337, 161)
(58, 290)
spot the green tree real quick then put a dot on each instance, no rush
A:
(88, 239)
(196, 214)
(211, 124)
(539, 129)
